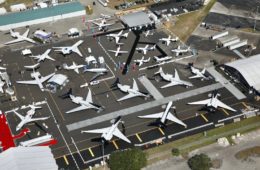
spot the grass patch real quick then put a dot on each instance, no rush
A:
(187, 23)
(186, 145)
(251, 30)
(249, 152)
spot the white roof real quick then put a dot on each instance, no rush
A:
(59, 79)
(136, 19)
(249, 69)
(2, 10)
(29, 158)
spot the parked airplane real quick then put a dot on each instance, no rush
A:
(141, 61)
(69, 49)
(198, 73)
(169, 40)
(98, 71)
(19, 38)
(74, 67)
(173, 80)
(28, 117)
(84, 104)
(147, 33)
(162, 59)
(179, 51)
(2, 68)
(117, 51)
(2, 83)
(102, 25)
(38, 80)
(109, 132)
(162, 117)
(213, 103)
(118, 36)
(132, 92)
(145, 49)
(42, 57)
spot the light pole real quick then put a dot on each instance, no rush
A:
(256, 17)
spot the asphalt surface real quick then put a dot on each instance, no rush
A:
(70, 142)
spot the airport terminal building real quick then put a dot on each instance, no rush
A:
(41, 15)
(246, 71)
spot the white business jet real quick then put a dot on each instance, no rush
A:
(147, 33)
(173, 80)
(117, 51)
(118, 36)
(132, 92)
(99, 72)
(84, 103)
(141, 61)
(28, 118)
(213, 103)
(74, 67)
(162, 59)
(69, 49)
(168, 40)
(42, 57)
(179, 51)
(19, 37)
(198, 73)
(102, 25)
(145, 49)
(38, 80)
(164, 116)
(109, 132)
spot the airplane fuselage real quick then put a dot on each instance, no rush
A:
(109, 134)
(26, 119)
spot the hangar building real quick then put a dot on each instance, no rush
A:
(41, 15)
(247, 72)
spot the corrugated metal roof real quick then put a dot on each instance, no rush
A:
(249, 69)
(28, 158)
(136, 19)
(29, 15)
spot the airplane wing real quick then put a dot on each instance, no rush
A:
(96, 76)
(120, 135)
(41, 118)
(145, 52)
(152, 116)
(112, 51)
(25, 34)
(135, 87)
(175, 119)
(50, 58)
(173, 83)
(223, 105)
(29, 39)
(14, 41)
(82, 107)
(195, 76)
(27, 82)
(89, 97)
(128, 96)
(76, 50)
(76, 70)
(123, 52)
(17, 114)
(43, 79)
(202, 102)
(117, 39)
(176, 74)
(102, 130)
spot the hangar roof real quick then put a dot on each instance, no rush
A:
(59, 79)
(249, 69)
(33, 14)
(136, 19)
(29, 158)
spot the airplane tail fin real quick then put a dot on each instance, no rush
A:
(115, 83)
(125, 34)
(159, 71)
(65, 66)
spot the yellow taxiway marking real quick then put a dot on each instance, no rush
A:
(204, 117)
(116, 146)
(91, 152)
(225, 112)
(138, 137)
(246, 106)
(162, 132)
(65, 159)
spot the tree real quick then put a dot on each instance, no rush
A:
(131, 159)
(175, 152)
(200, 162)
